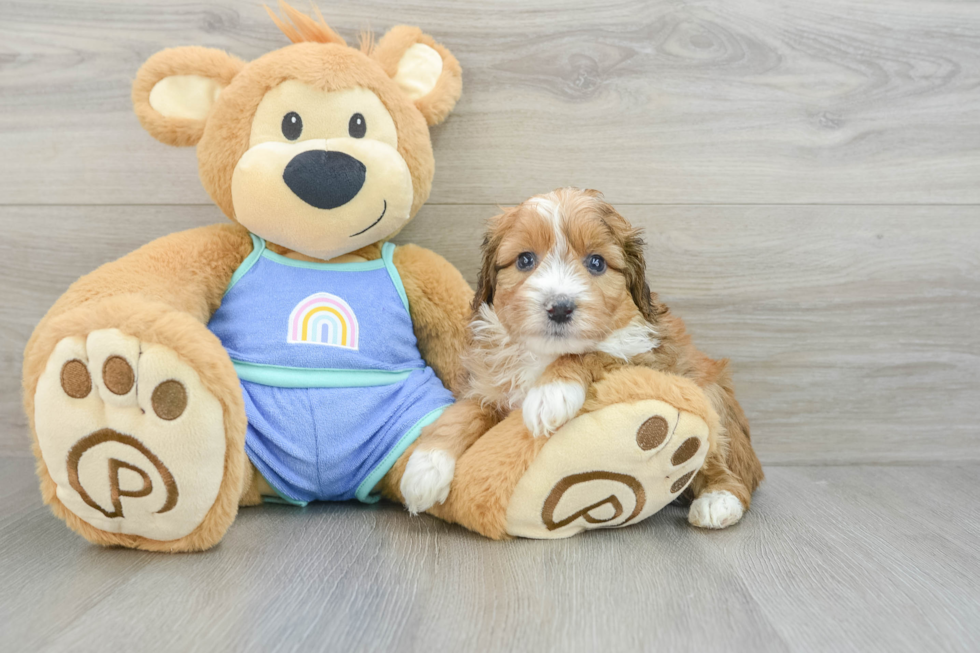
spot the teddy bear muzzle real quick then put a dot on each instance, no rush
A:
(322, 197)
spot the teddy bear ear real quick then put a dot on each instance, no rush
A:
(176, 88)
(425, 71)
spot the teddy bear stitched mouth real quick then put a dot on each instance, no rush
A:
(383, 210)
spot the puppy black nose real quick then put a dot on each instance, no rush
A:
(561, 311)
(325, 180)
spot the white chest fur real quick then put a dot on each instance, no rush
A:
(503, 370)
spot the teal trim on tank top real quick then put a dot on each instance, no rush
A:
(258, 246)
(364, 490)
(387, 255)
(259, 250)
(357, 266)
(279, 376)
(282, 499)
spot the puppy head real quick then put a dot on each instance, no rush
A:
(562, 271)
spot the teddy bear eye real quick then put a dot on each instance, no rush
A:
(596, 264)
(292, 125)
(357, 127)
(526, 261)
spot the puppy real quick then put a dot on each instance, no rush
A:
(561, 301)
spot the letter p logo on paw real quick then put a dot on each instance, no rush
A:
(609, 468)
(116, 491)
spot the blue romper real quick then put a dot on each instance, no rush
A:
(335, 388)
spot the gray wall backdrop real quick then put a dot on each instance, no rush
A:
(807, 176)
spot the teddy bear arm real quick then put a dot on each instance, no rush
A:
(186, 271)
(439, 302)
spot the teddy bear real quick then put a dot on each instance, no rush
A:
(295, 354)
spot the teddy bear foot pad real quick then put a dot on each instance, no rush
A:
(609, 468)
(132, 439)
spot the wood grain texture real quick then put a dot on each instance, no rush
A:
(852, 330)
(665, 101)
(829, 559)
(807, 175)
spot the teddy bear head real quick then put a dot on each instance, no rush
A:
(319, 147)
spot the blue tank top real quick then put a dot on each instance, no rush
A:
(335, 387)
(290, 323)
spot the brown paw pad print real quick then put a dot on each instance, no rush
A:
(118, 375)
(653, 433)
(75, 379)
(168, 399)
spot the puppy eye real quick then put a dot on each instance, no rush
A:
(526, 261)
(596, 264)
(357, 127)
(292, 125)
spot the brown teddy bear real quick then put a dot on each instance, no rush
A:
(294, 354)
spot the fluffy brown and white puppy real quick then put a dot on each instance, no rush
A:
(562, 300)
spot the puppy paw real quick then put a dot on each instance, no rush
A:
(548, 407)
(427, 478)
(715, 510)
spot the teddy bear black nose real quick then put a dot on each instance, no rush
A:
(325, 180)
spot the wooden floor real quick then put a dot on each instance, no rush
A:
(832, 558)
(807, 176)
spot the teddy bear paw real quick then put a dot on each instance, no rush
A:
(608, 468)
(132, 439)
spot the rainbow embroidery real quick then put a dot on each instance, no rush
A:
(323, 319)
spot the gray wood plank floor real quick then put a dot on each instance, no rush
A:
(807, 175)
(856, 558)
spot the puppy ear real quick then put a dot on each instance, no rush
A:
(426, 72)
(486, 283)
(176, 88)
(635, 271)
